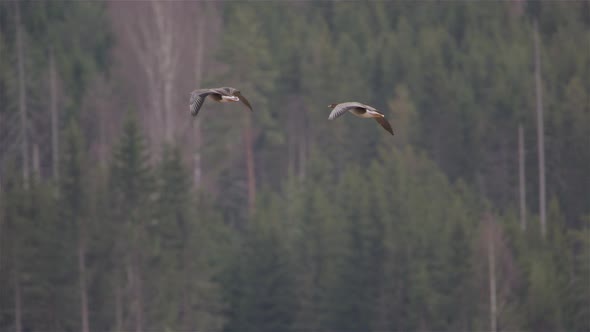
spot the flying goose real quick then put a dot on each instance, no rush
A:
(360, 110)
(222, 95)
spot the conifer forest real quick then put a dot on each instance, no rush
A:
(120, 211)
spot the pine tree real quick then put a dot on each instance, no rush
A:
(259, 285)
(131, 190)
(73, 206)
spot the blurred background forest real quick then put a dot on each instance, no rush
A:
(118, 212)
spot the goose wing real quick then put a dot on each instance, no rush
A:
(198, 98)
(385, 124)
(243, 100)
(342, 108)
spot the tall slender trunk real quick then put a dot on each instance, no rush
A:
(22, 94)
(540, 129)
(492, 276)
(248, 145)
(82, 276)
(521, 177)
(54, 115)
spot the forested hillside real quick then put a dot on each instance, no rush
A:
(120, 212)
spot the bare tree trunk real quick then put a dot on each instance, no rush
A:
(492, 277)
(521, 177)
(82, 271)
(22, 94)
(54, 115)
(167, 61)
(248, 145)
(540, 130)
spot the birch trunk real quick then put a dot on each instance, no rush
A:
(540, 129)
(22, 97)
(54, 116)
(521, 177)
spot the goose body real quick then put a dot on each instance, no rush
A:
(360, 110)
(221, 95)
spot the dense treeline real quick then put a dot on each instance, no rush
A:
(113, 219)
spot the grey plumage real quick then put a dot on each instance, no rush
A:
(342, 108)
(360, 110)
(198, 97)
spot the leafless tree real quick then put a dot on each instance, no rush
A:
(160, 45)
(498, 274)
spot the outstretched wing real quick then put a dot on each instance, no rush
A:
(342, 108)
(385, 124)
(243, 100)
(197, 100)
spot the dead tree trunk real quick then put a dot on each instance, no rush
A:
(22, 97)
(540, 129)
(82, 276)
(521, 177)
(54, 116)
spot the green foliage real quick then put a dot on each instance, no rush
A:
(353, 229)
(258, 283)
